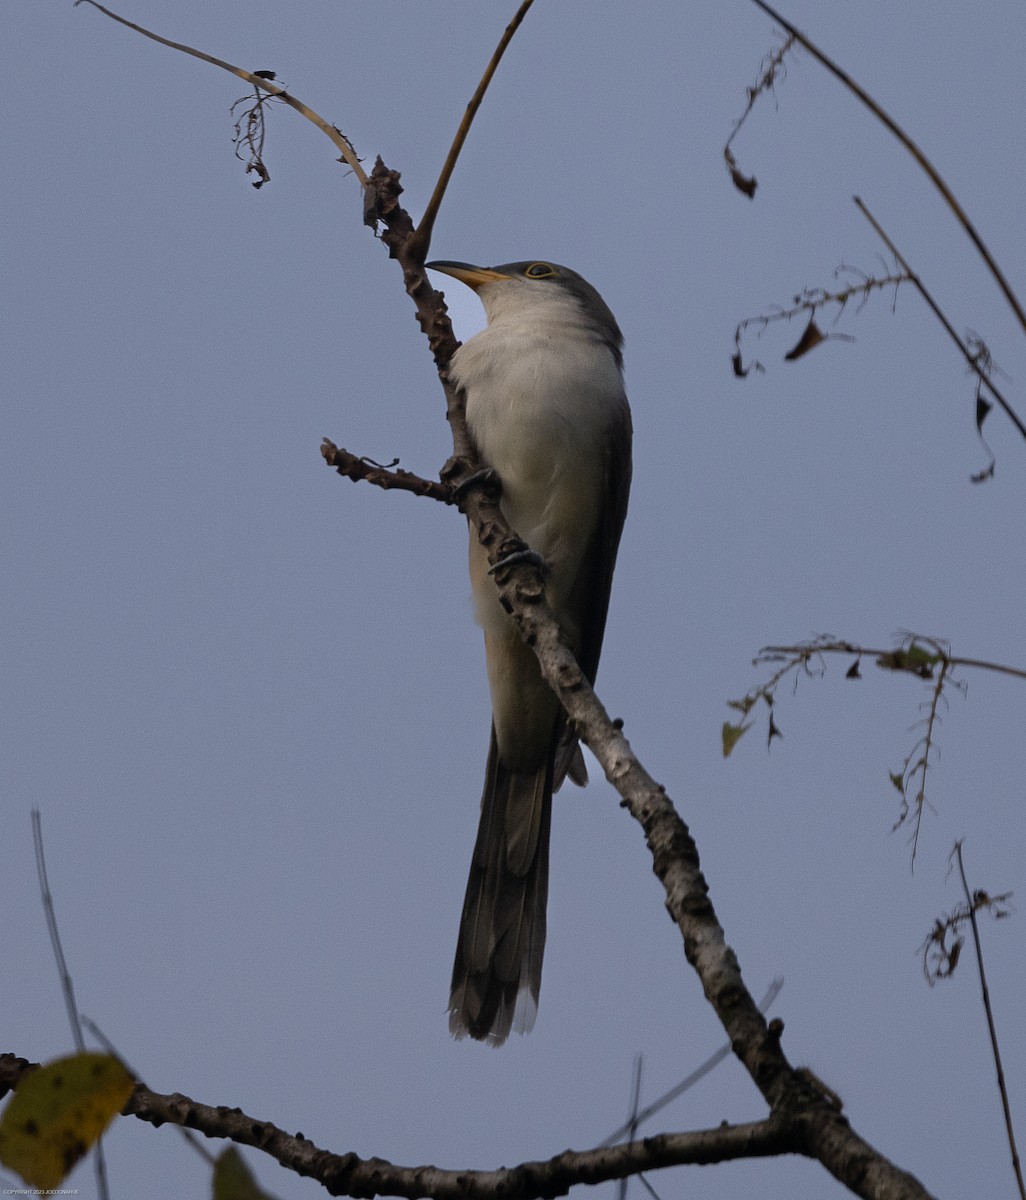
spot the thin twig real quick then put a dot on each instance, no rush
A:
(990, 1025)
(769, 70)
(632, 1120)
(109, 1046)
(972, 359)
(67, 986)
(688, 1081)
(388, 477)
(913, 149)
(885, 657)
(343, 144)
(422, 238)
(923, 763)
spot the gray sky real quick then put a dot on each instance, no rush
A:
(249, 697)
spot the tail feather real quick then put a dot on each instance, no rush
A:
(497, 975)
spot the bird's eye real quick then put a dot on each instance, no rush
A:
(539, 271)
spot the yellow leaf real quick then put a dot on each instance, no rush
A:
(58, 1112)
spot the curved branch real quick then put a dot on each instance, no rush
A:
(264, 85)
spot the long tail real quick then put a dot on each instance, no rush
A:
(497, 975)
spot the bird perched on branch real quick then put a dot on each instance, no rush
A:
(547, 410)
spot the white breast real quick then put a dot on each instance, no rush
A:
(542, 392)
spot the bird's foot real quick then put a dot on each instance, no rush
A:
(486, 477)
(517, 557)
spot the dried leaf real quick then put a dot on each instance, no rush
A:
(809, 340)
(744, 183)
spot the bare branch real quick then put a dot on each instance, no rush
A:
(67, 985)
(974, 902)
(422, 238)
(689, 1081)
(388, 476)
(979, 364)
(941, 953)
(810, 301)
(350, 1175)
(258, 81)
(913, 149)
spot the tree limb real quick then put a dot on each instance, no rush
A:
(803, 1117)
(350, 1175)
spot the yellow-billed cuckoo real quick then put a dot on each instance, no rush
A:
(547, 411)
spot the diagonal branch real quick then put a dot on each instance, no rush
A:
(972, 359)
(827, 1135)
(972, 899)
(422, 238)
(804, 1119)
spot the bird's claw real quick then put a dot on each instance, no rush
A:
(516, 558)
(486, 476)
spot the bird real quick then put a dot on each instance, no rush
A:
(548, 414)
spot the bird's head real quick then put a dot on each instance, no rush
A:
(521, 286)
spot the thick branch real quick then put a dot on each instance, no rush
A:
(350, 1175)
